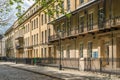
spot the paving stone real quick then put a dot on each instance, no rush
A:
(64, 74)
(8, 73)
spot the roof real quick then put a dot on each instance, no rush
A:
(9, 30)
(1, 36)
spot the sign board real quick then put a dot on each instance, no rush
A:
(95, 54)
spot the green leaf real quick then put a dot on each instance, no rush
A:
(68, 15)
(11, 2)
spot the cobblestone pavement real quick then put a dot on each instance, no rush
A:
(8, 73)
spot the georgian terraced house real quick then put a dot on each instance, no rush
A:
(88, 40)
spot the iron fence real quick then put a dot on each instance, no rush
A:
(66, 62)
(103, 65)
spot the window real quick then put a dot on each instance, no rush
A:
(81, 1)
(37, 53)
(63, 5)
(45, 18)
(68, 26)
(24, 29)
(34, 9)
(90, 21)
(75, 4)
(32, 25)
(34, 40)
(25, 41)
(37, 38)
(28, 41)
(49, 18)
(62, 51)
(28, 27)
(57, 13)
(49, 32)
(64, 27)
(57, 28)
(81, 50)
(42, 52)
(90, 49)
(36, 22)
(45, 54)
(81, 24)
(45, 35)
(68, 5)
(101, 18)
(34, 53)
(42, 36)
(107, 53)
(68, 51)
(42, 19)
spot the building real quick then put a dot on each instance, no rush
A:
(9, 43)
(2, 47)
(90, 38)
(87, 39)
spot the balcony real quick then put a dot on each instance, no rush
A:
(71, 33)
(19, 43)
(82, 30)
(29, 47)
(115, 22)
(87, 3)
(19, 47)
(53, 37)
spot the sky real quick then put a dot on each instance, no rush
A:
(26, 5)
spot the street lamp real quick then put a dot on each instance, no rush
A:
(60, 63)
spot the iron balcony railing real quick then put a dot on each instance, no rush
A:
(81, 29)
(19, 47)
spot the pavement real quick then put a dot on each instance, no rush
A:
(9, 73)
(62, 74)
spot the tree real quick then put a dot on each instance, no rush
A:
(49, 9)
(4, 9)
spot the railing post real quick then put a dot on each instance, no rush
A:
(100, 65)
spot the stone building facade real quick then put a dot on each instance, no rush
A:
(87, 40)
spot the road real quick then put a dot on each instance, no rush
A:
(8, 73)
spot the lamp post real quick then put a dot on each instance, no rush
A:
(60, 60)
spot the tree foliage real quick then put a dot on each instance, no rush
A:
(48, 5)
(52, 8)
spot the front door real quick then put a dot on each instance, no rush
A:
(104, 52)
(118, 52)
(49, 52)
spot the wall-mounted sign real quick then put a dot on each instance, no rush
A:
(95, 54)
